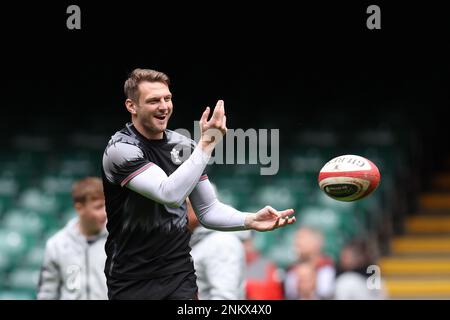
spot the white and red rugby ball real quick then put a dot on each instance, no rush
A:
(349, 178)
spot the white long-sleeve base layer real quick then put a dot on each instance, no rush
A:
(173, 190)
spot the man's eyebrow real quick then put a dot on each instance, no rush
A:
(152, 98)
(158, 97)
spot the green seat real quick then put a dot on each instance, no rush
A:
(60, 187)
(16, 295)
(234, 191)
(34, 199)
(264, 241)
(26, 223)
(77, 168)
(6, 203)
(40, 205)
(8, 190)
(34, 258)
(333, 219)
(282, 250)
(229, 197)
(64, 200)
(370, 211)
(24, 279)
(276, 196)
(299, 187)
(319, 218)
(307, 161)
(12, 245)
(67, 215)
(333, 243)
(5, 262)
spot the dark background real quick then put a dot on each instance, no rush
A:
(275, 65)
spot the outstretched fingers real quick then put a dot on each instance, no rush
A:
(285, 213)
(283, 218)
(281, 222)
(205, 115)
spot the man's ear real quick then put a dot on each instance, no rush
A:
(131, 106)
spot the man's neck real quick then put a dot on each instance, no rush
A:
(145, 133)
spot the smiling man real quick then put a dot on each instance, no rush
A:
(146, 186)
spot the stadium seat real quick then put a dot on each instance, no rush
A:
(282, 250)
(36, 200)
(57, 184)
(8, 189)
(27, 223)
(5, 263)
(275, 196)
(36, 181)
(12, 245)
(16, 295)
(23, 279)
(34, 257)
(67, 215)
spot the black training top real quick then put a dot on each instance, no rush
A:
(146, 239)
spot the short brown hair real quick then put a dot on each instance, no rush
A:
(87, 189)
(137, 76)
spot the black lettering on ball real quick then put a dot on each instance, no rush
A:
(341, 190)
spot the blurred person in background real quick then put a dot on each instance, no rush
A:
(219, 261)
(306, 275)
(262, 277)
(353, 275)
(146, 183)
(308, 244)
(74, 260)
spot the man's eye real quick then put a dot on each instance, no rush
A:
(168, 99)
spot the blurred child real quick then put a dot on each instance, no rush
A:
(74, 261)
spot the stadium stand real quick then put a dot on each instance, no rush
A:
(35, 201)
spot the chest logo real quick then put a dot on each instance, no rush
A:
(175, 155)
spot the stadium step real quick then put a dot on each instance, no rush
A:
(418, 288)
(421, 244)
(423, 224)
(447, 163)
(416, 265)
(436, 200)
(442, 181)
(419, 264)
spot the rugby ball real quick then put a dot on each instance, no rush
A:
(349, 178)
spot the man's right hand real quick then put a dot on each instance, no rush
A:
(268, 219)
(214, 129)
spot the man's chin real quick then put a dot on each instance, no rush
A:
(156, 129)
(160, 128)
